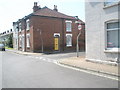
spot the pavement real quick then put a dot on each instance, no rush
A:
(81, 63)
(23, 53)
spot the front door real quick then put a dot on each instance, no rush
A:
(56, 43)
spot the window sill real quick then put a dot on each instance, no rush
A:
(27, 29)
(69, 46)
(112, 51)
(68, 31)
(108, 6)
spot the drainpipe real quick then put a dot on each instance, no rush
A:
(40, 32)
(63, 33)
(41, 40)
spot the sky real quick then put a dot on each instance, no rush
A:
(12, 10)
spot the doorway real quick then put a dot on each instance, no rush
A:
(56, 43)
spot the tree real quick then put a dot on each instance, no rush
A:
(10, 41)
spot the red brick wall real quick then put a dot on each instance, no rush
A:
(48, 27)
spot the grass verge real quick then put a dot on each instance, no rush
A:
(8, 48)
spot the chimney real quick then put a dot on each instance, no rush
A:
(55, 8)
(35, 7)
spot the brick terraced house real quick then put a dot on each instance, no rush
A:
(47, 30)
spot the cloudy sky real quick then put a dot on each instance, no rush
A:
(12, 10)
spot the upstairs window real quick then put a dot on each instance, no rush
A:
(20, 27)
(27, 24)
(15, 27)
(68, 26)
(113, 32)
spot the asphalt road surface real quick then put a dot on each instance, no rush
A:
(20, 71)
(0, 70)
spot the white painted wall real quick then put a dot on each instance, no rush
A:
(96, 16)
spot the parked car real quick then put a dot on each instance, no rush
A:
(2, 47)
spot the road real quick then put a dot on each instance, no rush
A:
(63, 55)
(0, 70)
(20, 71)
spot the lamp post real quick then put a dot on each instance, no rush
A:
(79, 28)
(78, 43)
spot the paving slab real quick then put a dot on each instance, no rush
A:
(80, 62)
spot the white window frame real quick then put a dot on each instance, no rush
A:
(69, 45)
(20, 27)
(28, 40)
(27, 24)
(114, 49)
(68, 30)
(110, 2)
(15, 28)
(56, 34)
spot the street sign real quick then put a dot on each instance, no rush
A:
(79, 27)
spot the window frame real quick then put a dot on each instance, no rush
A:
(70, 45)
(15, 27)
(27, 24)
(110, 3)
(28, 40)
(20, 27)
(106, 31)
(68, 21)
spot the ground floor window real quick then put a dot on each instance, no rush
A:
(68, 40)
(113, 32)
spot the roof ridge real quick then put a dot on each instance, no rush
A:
(44, 7)
(55, 12)
(50, 13)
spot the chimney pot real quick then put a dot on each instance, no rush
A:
(55, 8)
(35, 3)
(36, 7)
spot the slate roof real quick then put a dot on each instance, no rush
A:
(51, 13)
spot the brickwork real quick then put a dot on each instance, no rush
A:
(48, 26)
(44, 24)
